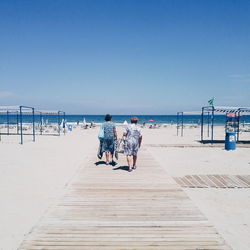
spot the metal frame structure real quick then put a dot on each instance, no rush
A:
(59, 115)
(180, 120)
(211, 112)
(19, 111)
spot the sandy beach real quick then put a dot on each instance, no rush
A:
(34, 176)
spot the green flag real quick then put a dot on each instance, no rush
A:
(211, 101)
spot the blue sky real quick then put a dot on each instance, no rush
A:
(123, 57)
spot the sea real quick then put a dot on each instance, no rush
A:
(155, 119)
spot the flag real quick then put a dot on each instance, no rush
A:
(211, 101)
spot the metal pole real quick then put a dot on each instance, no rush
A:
(58, 120)
(41, 124)
(8, 123)
(33, 116)
(17, 123)
(238, 126)
(21, 124)
(64, 123)
(212, 125)
(181, 123)
(208, 123)
(177, 124)
(202, 118)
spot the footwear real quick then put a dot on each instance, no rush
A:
(107, 162)
(130, 170)
(134, 167)
(113, 163)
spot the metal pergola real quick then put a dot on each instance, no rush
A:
(59, 114)
(18, 112)
(16, 115)
(211, 111)
(180, 120)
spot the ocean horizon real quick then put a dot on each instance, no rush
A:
(157, 119)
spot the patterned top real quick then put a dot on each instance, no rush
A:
(133, 132)
(108, 128)
(131, 145)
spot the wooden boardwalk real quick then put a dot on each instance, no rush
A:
(214, 181)
(106, 207)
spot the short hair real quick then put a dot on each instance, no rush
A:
(108, 117)
(134, 120)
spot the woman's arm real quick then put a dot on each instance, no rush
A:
(140, 140)
(115, 133)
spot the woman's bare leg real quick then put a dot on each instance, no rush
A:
(107, 156)
(134, 161)
(130, 162)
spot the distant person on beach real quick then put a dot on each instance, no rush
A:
(133, 139)
(92, 124)
(110, 135)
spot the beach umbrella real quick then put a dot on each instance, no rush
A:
(125, 123)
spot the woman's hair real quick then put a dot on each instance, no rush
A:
(108, 117)
(134, 120)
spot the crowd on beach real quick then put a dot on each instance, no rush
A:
(128, 144)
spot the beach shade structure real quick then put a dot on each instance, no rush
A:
(180, 120)
(150, 120)
(51, 121)
(125, 123)
(232, 114)
(18, 114)
(84, 122)
(179, 123)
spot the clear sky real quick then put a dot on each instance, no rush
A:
(123, 57)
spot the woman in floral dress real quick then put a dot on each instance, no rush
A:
(132, 143)
(110, 135)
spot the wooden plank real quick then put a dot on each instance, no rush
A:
(208, 181)
(113, 209)
(221, 183)
(201, 184)
(187, 182)
(229, 181)
(245, 179)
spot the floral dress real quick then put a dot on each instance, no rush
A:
(109, 137)
(131, 145)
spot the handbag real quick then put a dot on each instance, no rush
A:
(120, 146)
(101, 133)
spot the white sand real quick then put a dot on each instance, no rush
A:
(34, 175)
(227, 209)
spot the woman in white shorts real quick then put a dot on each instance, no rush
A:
(132, 143)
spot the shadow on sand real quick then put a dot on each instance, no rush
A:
(100, 163)
(104, 163)
(124, 168)
(222, 142)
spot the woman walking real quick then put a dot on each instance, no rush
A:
(110, 135)
(132, 143)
